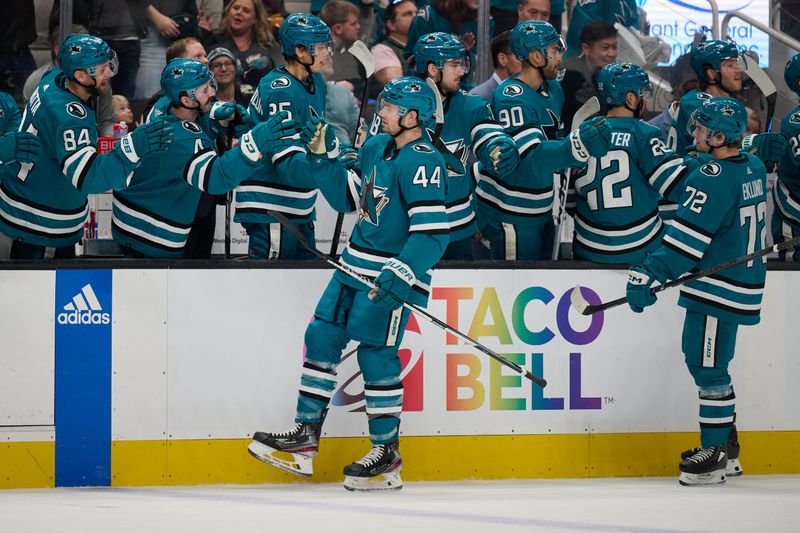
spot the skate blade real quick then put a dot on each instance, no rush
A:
(387, 481)
(294, 463)
(711, 478)
(734, 468)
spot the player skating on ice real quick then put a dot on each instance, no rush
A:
(722, 216)
(401, 233)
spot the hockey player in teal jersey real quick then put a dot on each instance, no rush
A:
(43, 205)
(515, 212)
(287, 186)
(153, 215)
(468, 126)
(786, 191)
(429, 20)
(616, 197)
(400, 234)
(717, 68)
(722, 217)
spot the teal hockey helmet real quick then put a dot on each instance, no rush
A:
(185, 76)
(720, 114)
(302, 29)
(711, 53)
(791, 74)
(85, 52)
(616, 80)
(410, 93)
(534, 35)
(438, 48)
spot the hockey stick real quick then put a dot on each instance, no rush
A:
(588, 109)
(362, 54)
(411, 307)
(580, 304)
(229, 195)
(764, 84)
(453, 163)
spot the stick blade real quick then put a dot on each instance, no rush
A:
(578, 302)
(439, 104)
(360, 51)
(589, 108)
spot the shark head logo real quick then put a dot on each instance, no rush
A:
(372, 200)
(176, 72)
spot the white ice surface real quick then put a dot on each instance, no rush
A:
(746, 504)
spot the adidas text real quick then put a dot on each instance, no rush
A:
(85, 317)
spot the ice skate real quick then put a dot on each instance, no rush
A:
(705, 467)
(733, 468)
(378, 470)
(292, 451)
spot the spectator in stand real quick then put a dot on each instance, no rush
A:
(457, 17)
(167, 21)
(598, 49)
(388, 53)
(122, 111)
(101, 103)
(533, 10)
(17, 32)
(121, 23)
(188, 48)
(623, 11)
(222, 64)
(244, 30)
(505, 65)
(342, 18)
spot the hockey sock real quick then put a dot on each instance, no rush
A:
(716, 416)
(384, 405)
(317, 384)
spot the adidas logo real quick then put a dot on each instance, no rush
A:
(84, 308)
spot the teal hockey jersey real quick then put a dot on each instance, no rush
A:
(10, 117)
(616, 197)
(285, 184)
(786, 191)
(532, 118)
(154, 214)
(722, 216)
(401, 203)
(44, 203)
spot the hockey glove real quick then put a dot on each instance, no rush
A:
(393, 284)
(590, 139)
(150, 138)
(320, 139)
(768, 147)
(637, 291)
(272, 136)
(349, 158)
(503, 155)
(225, 114)
(19, 146)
